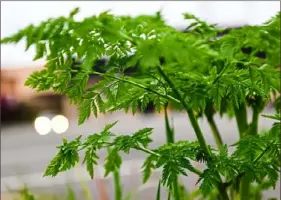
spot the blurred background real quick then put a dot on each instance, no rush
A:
(33, 124)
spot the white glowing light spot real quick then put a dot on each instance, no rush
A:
(60, 124)
(42, 125)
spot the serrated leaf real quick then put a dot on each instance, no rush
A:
(147, 167)
(94, 109)
(74, 12)
(40, 50)
(143, 136)
(90, 159)
(113, 162)
(66, 158)
(144, 102)
(100, 104)
(84, 110)
(228, 47)
(149, 53)
(209, 182)
(134, 107)
(109, 126)
(276, 116)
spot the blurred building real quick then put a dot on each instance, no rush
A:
(27, 99)
(13, 89)
(12, 84)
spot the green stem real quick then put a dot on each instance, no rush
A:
(158, 195)
(176, 190)
(242, 123)
(255, 120)
(141, 148)
(219, 75)
(232, 193)
(195, 170)
(215, 131)
(244, 188)
(261, 155)
(140, 86)
(245, 183)
(195, 126)
(242, 174)
(148, 151)
(117, 185)
(222, 190)
(219, 143)
(198, 132)
(190, 113)
(210, 118)
(170, 136)
(169, 196)
(241, 119)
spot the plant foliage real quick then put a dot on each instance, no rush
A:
(197, 71)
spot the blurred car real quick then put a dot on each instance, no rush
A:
(13, 111)
(43, 111)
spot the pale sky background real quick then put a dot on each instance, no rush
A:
(16, 15)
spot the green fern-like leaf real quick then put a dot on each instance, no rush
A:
(66, 158)
(113, 162)
(90, 159)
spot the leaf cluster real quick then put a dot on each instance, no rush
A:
(256, 156)
(209, 73)
(224, 74)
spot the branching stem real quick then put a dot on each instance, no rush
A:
(170, 135)
(190, 113)
(195, 170)
(242, 174)
(210, 118)
(140, 86)
(195, 125)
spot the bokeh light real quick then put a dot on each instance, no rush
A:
(60, 124)
(42, 125)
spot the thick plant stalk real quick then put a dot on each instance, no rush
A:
(255, 120)
(170, 137)
(241, 119)
(196, 128)
(169, 196)
(215, 131)
(245, 183)
(117, 183)
(190, 113)
(210, 118)
(176, 191)
(158, 195)
(198, 132)
(242, 123)
(209, 113)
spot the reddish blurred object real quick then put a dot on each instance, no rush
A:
(13, 111)
(101, 187)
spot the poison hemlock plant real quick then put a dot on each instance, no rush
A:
(194, 71)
